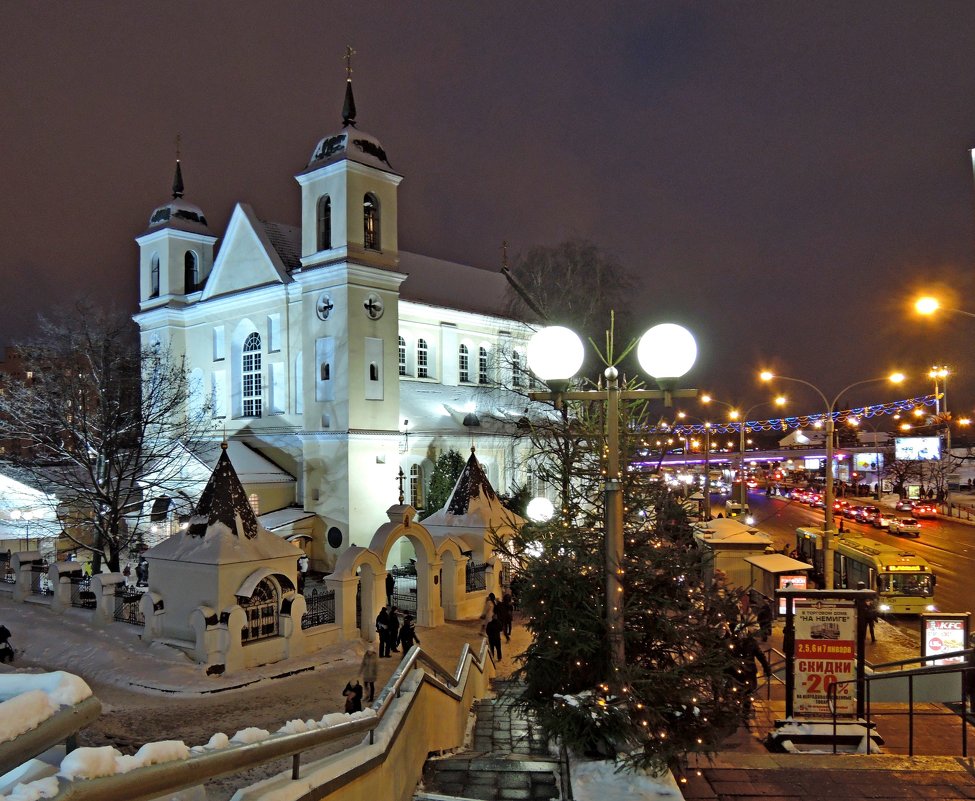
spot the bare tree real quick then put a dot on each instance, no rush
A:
(900, 471)
(100, 422)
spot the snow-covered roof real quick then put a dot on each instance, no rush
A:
(473, 504)
(250, 466)
(284, 517)
(777, 563)
(454, 286)
(727, 531)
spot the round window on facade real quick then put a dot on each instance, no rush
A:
(334, 537)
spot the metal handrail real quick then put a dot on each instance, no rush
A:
(143, 784)
(963, 669)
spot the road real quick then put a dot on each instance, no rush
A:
(948, 545)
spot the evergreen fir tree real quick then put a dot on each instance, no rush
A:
(446, 471)
(677, 693)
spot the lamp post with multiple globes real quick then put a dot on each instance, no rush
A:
(895, 378)
(665, 352)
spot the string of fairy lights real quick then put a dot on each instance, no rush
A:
(802, 421)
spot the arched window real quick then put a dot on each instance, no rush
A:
(261, 610)
(373, 371)
(154, 277)
(191, 272)
(416, 486)
(250, 375)
(324, 222)
(482, 365)
(516, 369)
(464, 364)
(370, 222)
(422, 359)
(402, 356)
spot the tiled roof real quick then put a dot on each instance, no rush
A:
(286, 240)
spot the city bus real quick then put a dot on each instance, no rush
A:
(904, 581)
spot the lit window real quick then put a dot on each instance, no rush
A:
(251, 375)
(482, 365)
(254, 502)
(464, 363)
(422, 359)
(416, 486)
(402, 356)
(370, 222)
(324, 223)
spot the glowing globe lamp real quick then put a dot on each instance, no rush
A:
(667, 351)
(555, 353)
(540, 510)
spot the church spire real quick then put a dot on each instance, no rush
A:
(348, 108)
(178, 177)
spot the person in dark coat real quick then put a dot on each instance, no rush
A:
(504, 610)
(407, 634)
(6, 649)
(745, 652)
(493, 631)
(764, 616)
(382, 629)
(390, 588)
(353, 697)
(870, 610)
(393, 629)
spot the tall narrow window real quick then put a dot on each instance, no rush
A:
(250, 375)
(191, 272)
(370, 222)
(464, 364)
(482, 365)
(422, 359)
(416, 486)
(402, 356)
(324, 222)
(255, 503)
(154, 278)
(516, 369)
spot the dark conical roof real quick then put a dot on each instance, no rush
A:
(348, 107)
(472, 484)
(178, 182)
(224, 501)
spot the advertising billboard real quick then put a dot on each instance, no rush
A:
(943, 634)
(825, 655)
(917, 449)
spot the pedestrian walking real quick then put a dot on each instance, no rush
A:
(745, 652)
(763, 614)
(871, 613)
(487, 614)
(407, 634)
(393, 629)
(6, 649)
(369, 670)
(390, 588)
(504, 610)
(353, 697)
(493, 631)
(382, 629)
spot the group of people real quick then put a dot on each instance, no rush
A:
(497, 617)
(392, 633)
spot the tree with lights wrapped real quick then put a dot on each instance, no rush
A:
(678, 692)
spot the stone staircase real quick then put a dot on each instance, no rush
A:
(509, 759)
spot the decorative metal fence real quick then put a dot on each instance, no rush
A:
(321, 609)
(405, 602)
(127, 608)
(475, 577)
(81, 594)
(7, 575)
(40, 584)
(262, 613)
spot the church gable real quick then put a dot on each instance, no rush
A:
(248, 257)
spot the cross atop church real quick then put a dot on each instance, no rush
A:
(349, 52)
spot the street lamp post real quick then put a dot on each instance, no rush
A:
(26, 516)
(707, 461)
(666, 352)
(830, 428)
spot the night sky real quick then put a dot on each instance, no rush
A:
(780, 176)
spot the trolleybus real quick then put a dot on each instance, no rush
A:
(904, 580)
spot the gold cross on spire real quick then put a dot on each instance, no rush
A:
(349, 52)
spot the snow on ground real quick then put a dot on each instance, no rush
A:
(599, 781)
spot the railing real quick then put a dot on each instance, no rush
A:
(965, 671)
(321, 609)
(405, 602)
(40, 584)
(81, 594)
(475, 577)
(143, 784)
(127, 608)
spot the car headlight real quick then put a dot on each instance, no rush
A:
(885, 607)
(930, 608)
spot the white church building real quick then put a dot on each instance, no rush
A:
(334, 355)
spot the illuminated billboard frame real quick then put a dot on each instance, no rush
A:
(917, 449)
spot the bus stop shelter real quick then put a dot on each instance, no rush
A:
(767, 567)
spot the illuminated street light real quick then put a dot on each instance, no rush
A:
(895, 378)
(742, 419)
(928, 305)
(666, 352)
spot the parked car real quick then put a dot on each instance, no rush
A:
(906, 526)
(882, 519)
(925, 509)
(904, 505)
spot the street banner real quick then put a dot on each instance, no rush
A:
(942, 634)
(825, 654)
